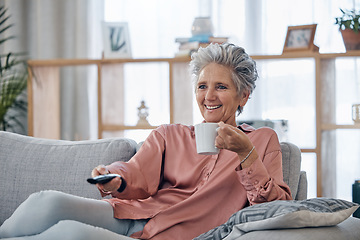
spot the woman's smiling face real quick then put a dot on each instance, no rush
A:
(216, 94)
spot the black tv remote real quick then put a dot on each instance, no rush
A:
(102, 179)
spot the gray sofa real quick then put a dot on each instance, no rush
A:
(31, 164)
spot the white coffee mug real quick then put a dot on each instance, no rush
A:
(205, 134)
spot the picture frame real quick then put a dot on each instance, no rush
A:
(116, 40)
(300, 38)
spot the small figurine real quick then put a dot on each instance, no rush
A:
(143, 114)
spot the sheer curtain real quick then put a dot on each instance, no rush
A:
(50, 29)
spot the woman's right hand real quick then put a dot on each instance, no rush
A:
(109, 187)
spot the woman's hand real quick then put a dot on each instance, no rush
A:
(109, 187)
(233, 139)
(99, 170)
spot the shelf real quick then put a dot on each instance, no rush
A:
(289, 55)
(337, 126)
(307, 54)
(354, 53)
(308, 150)
(61, 62)
(76, 62)
(124, 127)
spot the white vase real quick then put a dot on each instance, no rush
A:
(202, 26)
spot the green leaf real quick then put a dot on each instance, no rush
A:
(4, 20)
(3, 11)
(6, 28)
(348, 20)
(11, 85)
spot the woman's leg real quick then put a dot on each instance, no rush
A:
(45, 209)
(71, 230)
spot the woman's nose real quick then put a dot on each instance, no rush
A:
(210, 94)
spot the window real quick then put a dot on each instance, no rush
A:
(285, 90)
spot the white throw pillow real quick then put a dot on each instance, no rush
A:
(282, 214)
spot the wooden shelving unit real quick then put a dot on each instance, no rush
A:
(44, 102)
(44, 95)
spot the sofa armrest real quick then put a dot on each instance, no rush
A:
(303, 187)
(291, 164)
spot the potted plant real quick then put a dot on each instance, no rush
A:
(349, 27)
(13, 81)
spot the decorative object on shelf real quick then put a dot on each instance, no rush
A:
(13, 82)
(356, 113)
(116, 40)
(189, 45)
(143, 114)
(202, 35)
(300, 38)
(202, 27)
(349, 27)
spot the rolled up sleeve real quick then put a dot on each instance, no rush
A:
(142, 172)
(263, 180)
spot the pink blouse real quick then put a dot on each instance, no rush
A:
(185, 194)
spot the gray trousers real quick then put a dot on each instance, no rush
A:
(56, 215)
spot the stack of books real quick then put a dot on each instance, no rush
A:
(189, 45)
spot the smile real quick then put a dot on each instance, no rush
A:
(212, 107)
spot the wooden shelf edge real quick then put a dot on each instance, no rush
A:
(308, 150)
(72, 62)
(353, 53)
(114, 127)
(307, 54)
(287, 55)
(339, 126)
(60, 62)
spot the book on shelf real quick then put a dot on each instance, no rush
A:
(189, 45)
(186, 49)
(219, 40)
(202, 39)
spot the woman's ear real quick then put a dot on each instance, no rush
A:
(244, 97)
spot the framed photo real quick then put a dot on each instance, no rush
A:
(300, 38)
(116, 40)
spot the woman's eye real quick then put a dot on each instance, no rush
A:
(201, 87)
(221, 87)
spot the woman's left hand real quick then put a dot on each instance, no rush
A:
(233, 139)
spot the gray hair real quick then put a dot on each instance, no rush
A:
(244, 73)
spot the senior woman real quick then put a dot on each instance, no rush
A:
(167, 190)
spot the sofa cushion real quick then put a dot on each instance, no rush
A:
(281, 214)
(30, 165)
